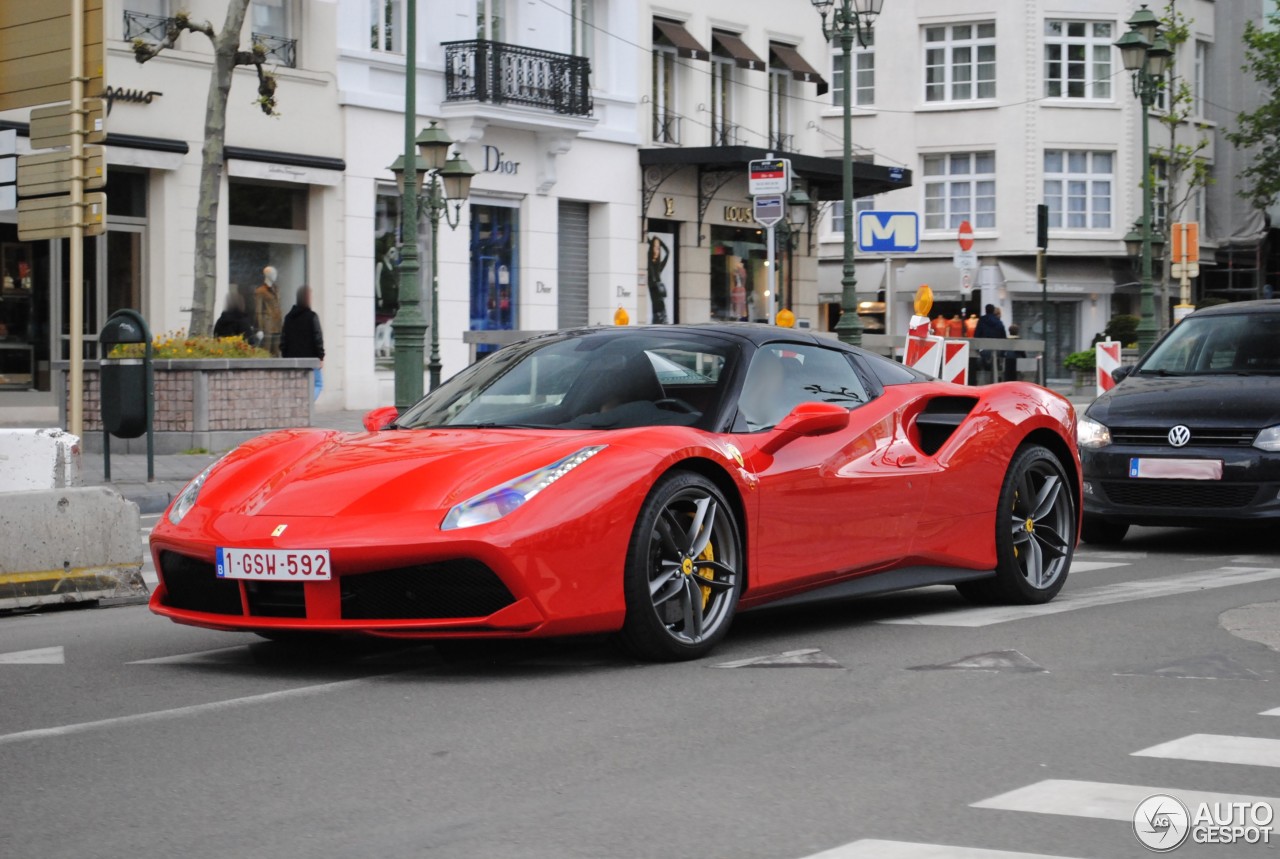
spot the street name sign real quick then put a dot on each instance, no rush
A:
(35, 51)
(54, 217)
(47, 173)
(51, 126)
(768, 176)
(768, 209)
(888, 232)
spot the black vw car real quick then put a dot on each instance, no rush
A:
(1191, 435)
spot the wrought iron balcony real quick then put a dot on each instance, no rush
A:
(782, 142)
(726, 134)
(666, 127)
(498, 73)
(280, 50)
(140, 25)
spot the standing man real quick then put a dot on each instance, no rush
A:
(989, 326)
(300, 336)
(266, 311)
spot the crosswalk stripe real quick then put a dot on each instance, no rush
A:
(1275, 712)
(39, 656)
(1218, 748)
(872, 848)
(1091, 566)
(1101, 800)
(1119, 592)
(221, 654)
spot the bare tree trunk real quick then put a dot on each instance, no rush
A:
(203, 299)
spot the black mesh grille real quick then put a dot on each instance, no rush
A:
(194, 585)
(1150, 493)
(1159, 437)
(460, 588)
(276, 599)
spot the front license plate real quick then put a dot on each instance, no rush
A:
(1176, 469)
(275, 565)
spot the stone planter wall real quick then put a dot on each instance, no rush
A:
(209, 403)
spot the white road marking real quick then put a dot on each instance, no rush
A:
(876, 849)
(811, 657)
(1110, 554)
(1275, 712)
(201, 656)
(1078, 566)
(1218, 749)
(39, 656)
(1102, 800)
(1119, 592)
(181, 712)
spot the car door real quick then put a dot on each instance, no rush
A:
(827, 504)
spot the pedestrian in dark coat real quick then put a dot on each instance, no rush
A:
(300, 335)
(235, 320)
(989, 326)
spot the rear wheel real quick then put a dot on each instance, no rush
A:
(1103, 532)
(1035, 532)
(684, 570)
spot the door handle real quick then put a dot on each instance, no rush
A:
(906, 459)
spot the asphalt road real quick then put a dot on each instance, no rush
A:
(124, 735)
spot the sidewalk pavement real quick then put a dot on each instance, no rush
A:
(173, 471)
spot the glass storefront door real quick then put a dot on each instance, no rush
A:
(1063, 331)
(494, 269)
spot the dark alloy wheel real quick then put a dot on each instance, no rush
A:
(684, 570)
(1103, 532)
(1035, 532)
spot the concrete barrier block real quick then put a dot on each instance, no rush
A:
(68, 545)
(33, 459)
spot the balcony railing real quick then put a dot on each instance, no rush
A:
(498, 73)
(726, 134)
(782, 142)
(140, 25)
(666, 127)
(280, 50)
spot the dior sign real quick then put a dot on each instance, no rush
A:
(495, 161)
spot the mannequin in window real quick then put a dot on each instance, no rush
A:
(657, 264)
(266, 311)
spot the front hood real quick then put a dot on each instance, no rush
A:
(393, 471)
(1213, 401)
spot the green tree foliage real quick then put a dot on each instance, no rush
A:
(1259, 130)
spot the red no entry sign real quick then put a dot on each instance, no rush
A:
(965, 235)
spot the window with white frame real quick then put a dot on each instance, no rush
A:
(723, 131)
(666, 122)
(1077, 59)
(960, 186)
(272, 18)
(779, 108)
(1159, 193)
(490, 17)
(1078, 188)
(386, 25)
(584, 29)
(860, 204)
(1199, 78)
(864, 73)
(960, 62)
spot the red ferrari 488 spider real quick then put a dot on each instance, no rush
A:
(644, 481)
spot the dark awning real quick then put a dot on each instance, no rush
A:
(824, 175)
(789, 58)
(686, 45)
(732, 45)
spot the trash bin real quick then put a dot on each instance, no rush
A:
(123, 381)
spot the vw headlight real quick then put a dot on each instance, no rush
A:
(187, 497)
(1268, 439)
(1091, 434)
(493, 504)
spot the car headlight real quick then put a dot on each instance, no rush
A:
(1268, 439)
(1091, 434)
(187, 497)
(493, 504)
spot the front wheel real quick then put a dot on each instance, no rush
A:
(1035, 532)
(684, 570)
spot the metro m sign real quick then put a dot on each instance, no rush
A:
(888, 232)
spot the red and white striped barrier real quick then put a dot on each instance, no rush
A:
(924, 351)
(1107, 359)
(955, 362)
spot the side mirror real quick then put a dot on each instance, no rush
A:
(1119, 374)
(379, 418)
(807, 419)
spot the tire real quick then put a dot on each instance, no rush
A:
(1103, 532)
(1035, 532)
(684, 571)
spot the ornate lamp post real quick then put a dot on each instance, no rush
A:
(427, 186)
(1146, 55)
(849, 19)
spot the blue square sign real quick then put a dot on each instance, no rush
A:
(888, 232)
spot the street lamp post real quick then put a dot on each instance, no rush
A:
(850, 19)
(444, 181)
(1146, 55)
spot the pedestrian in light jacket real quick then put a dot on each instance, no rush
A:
(301, 337)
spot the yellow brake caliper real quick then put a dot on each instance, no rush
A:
(708, 554)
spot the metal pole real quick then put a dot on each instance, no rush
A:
(409, 323)
(75, 275)
(888, 299)
(771, 254)
(1044, 316)
(849, 328)
(1147, 323)
(434, 204)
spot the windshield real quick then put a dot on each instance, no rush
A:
(1232, 344)
(589, 381)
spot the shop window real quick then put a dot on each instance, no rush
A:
(495, 283)
(267, 227)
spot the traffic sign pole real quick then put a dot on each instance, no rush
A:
(75, 294)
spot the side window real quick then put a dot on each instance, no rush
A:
(783, 375)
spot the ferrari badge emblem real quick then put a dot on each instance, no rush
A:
(735, 453)
(279, 530)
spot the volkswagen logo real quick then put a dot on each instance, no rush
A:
(1179, 436)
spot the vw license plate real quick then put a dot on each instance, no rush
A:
(1176, 469)
(275, 565)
